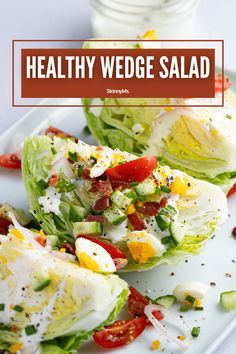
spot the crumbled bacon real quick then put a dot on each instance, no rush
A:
(101, 204)
(99, 218)
(41, 240)
(4, 225)
(136, 221)
(149, 208)
(54, 180)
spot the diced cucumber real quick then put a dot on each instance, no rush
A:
(228, 300)
(77, 213)
(145, 188)
(87, 228)
(41, 280)
(177, 232)
(162, 221)
(166, 301)
(121, 200)
(131, 195)
(114, 215)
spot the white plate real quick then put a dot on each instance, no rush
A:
(217, 256)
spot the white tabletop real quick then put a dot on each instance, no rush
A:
(70, 19)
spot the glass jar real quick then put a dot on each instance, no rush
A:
(118, 19)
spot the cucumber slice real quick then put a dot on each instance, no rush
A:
(121, 200)
(131, 195)
(177, 232)
(114, 215)
(162, 221)
(228, 300)
(166, 301)
(87, 228)
(77, 213)
(146, 188)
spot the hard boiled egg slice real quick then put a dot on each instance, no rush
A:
(192, 288)
(94, 257)
(143, 246)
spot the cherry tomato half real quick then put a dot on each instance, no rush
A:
(133, 171)
(120, 333)
(10, 161)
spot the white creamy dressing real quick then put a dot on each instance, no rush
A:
(51, 201)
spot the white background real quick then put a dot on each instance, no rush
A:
(70, 19)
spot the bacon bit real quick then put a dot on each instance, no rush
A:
(156, 345)
(234, 231)
(99, 148)
(14, 328)
(99, 218)
(69, 248)
(86, 174)
(53, 131)
(149, 208)
(4, 225)
(136, 221)
(54, 180)
(120, 184)
(101, 186)
(42, 240)
(163, 202)
(101, 204)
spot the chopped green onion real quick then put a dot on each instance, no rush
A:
(165, 189)
(53, 150)
(73, 156)
(80, 171)
(228, 116)
(44, 285)
(190, 299)
(134, 184)
(42, 184)
(2, 307)
(195, 331)
(184, 308)
(165, 240)
(66, 186)
(142, 198)
(198, 308)
(18, 308)
(29, 330)
(157, 191)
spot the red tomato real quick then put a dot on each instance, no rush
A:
(53, 131)
(232, 191)
(136, 303)
(219, 83)
(10, 161)
(112, 250)
(159, 316)
(136, 221)
(4, 225)
(120, 333)
(133, 171)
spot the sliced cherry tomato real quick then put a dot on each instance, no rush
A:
(120, 333)
(10, 161)
(136, 221)
(53, 131)
(232, 191)
(4, 225)
(136, 303)
(112, 250)
(219, 84)
(133, 171)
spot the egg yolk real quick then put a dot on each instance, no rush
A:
(88, 262)
(140, 251)
(178, 186)
(17, 234)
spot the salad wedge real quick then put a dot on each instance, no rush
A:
(48, 303)
(197, 140)
(140, 212)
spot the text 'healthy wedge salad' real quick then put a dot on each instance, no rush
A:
(48, 303)
(140, 213)
(198, 140)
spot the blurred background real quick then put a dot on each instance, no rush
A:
(80, 19)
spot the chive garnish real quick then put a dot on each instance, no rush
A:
(134, 184)
(190, 299)
(195, 331)
(2, 307)
(29, 330)
(165, 189)
(18, 308)
(184, 308)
